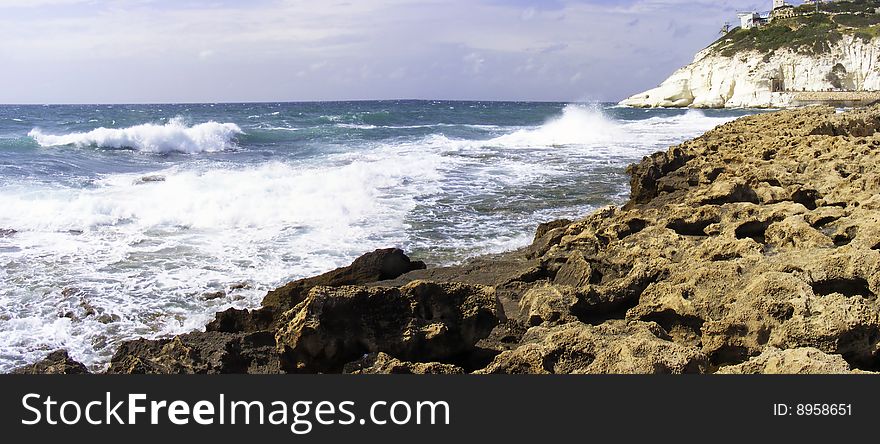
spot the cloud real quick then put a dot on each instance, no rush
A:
(473, 62)
(213, 50)
(22, 4)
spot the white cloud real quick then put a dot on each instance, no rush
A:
(296, 49)
(473, 62)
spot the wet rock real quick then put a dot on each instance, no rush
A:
(56, 363)
(235, 320)
(107, 318)
(421, 321)
(149, 179)
(381, 363)
(212, 295)
(240, 286)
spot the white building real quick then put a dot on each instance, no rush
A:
(749, 20)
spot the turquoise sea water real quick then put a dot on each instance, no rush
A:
(126, 216)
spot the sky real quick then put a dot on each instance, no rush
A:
(157, 51)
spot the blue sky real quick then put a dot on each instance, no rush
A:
(86, 51)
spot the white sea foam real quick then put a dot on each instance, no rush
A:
(174, 136)
(144, 252)
(578, 125)
(355, 126)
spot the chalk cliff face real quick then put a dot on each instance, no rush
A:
(745, 79)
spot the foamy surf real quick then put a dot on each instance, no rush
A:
(110, 247)
(578, 125)
(174, 136)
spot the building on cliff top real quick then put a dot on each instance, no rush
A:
(779, 10)
(749, 20)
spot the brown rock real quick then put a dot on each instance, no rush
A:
(381, 363)
(613, 347)
(379, 265)
(418, 322)
(805, 360)
(56, 363)
(549, 304)
(200, 353)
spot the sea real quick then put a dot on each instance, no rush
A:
(127, 221)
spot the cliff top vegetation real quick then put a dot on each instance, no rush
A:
(809, 31)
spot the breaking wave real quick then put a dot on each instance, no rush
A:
(174, 136)
(578, 125)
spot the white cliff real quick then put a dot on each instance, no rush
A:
(748, 79)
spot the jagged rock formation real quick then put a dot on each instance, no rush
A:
(754, 248)
(420, 321)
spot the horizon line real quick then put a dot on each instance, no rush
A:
(256, 102)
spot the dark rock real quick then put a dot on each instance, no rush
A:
(56, 363)
(235, 320)
(421, 321)
(647, 173)
(200, 353)
(210, 296)
(149, 178)
(379, 265)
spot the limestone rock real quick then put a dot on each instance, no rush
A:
(200, 353)
(804, 360)
(382, 363)
(549, 304)
(420, 321)
(612, 347)
(379, 265)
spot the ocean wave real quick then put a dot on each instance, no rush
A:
(146, 250)
(174, 136)
(355, 126)
(578, 125)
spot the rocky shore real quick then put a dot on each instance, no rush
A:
(754, 248)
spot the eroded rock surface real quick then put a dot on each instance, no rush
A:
(805, 360)
(420, 321)
(382, 363)
(613, 347)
